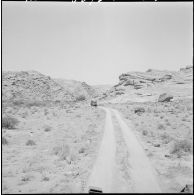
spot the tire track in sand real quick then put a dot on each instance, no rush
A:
(105, 172)
(143, 176)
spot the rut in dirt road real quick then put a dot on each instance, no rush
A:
(103, 170)
(143, 176)
(104, 173)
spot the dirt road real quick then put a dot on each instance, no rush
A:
(104, 173)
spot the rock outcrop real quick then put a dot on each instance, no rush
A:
(165, 97)
(137, 80)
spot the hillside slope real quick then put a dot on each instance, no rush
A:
(32, 85)
(136, 85)
(77, 88)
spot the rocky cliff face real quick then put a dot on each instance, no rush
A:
(142, 80)
(32, 85)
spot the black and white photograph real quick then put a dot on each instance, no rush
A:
(97, 97)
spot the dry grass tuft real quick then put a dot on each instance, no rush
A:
(62, 151)
(4, 141)
(80, 98)
(161, 127)
(182, 146)
(47, 128)
(30, 143)
(9, 122)
(144, 132)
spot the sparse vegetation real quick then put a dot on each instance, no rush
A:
(80, 98)
(145, 132)
(82, 149)
(181, 146)
(161, 127)
(30, 143)
(47, 128)
(4, 141)
(9, 122)
(62, 151)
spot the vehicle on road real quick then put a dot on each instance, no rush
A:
(93, 102)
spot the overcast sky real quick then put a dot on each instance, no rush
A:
(96, 43)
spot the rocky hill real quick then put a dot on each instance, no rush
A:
(77, 88)
(152, 81)
(32, 85)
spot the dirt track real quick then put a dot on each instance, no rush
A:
(104, 174)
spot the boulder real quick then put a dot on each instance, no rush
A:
(138, 86)
(188, 188)
(166, 77)
(189, 66)
(129, 82)
(165, 97)
(119, 92)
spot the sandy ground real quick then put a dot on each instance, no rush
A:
(66, 141)
(103, 171)
(67, 148)
(143, 177)
(105, 174)
(165, 131)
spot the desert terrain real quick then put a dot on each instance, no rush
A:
(54, 141)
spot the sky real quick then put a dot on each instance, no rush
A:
(96, 42)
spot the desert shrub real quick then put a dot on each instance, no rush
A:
(18, 103)
(145, 132)
(4, 141)
(166, 138)
(139, 110)
(46, 111)
(161, 117)
(161, 126)
(30, 143)
(82, 150)
(9, 122)
(45, 178)
(62, 151)
(181, 146)
(189, 107)
(168, 124)
(80, 98)
(47, 128)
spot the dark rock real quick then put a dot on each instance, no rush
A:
(139, 110)
(189, 66)
(157, 145)
(188, 188)
(166, 77)
(165, 97)
(129, 82)
(119, 92)
(93, 103)
(138, 86)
